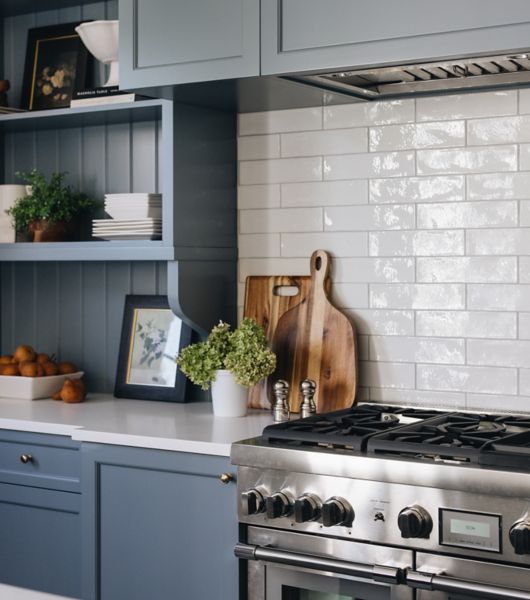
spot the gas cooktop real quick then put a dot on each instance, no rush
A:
(427, 435)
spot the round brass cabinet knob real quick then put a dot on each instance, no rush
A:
(225, 478)
(26, 458)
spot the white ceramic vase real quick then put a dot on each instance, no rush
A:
(229, 398)
(102, 40)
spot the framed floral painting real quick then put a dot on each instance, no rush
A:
(55, 67)
(152, 336)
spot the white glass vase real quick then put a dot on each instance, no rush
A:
(229, 398)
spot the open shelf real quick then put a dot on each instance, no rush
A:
(10, 8)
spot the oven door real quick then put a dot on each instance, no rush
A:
(294, 566)
(445, 578)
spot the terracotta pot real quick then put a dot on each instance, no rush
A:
(60, 231)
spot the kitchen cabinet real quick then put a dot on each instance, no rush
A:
(40, 503)
(308, 35)
(166, 42)
(157, 524)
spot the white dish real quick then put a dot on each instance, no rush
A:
(133, 197)
(147, 212)
(33, 388)
(129, 236)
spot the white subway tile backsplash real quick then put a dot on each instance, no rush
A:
(417, 296)
(343, 244)
(497, 403)
(253, 147)
(350, 295)
(524, 101)
(524, 213)
(280, 220)
(467, 269)
(467, 160)
(524, 325)
(257, 245)
(368, 113)
(445, 134)
(466, 106)
(282, 170)
(391, 270)
(467, 215)
(498, 186)
(417, 350)
(524, 157)
(524, 269)
(298, 119)
(416, 243)
(498, 353)
(258, 196)
(498, 241)
(387, 374)
(325, 193)
(418, 398)
(333, 141)
(467, 379)
(485, 325)
(418, 189)
(503, 130)
(365, 218)
(372, 164)
(383, 322)
(498, 297)
(524, 384)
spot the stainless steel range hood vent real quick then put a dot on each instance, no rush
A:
(434, 77)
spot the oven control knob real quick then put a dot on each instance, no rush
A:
(520, 536)
(307, 508)
(337, 511)
(414, 522)
(253, 502)
(277, 505)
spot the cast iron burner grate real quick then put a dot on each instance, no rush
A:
(348, 428)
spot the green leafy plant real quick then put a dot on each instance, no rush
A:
(49, 201)
(244, 352)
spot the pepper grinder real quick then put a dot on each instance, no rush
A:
(308, 388)
(280, 409)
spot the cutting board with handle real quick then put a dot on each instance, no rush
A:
(267, 298)
(315, 340)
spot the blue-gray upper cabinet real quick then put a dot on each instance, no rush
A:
(306, 35)
(163, 42)
(157, 525)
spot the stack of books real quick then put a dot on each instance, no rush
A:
(136, 216)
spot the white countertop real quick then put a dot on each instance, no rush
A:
(189, 427)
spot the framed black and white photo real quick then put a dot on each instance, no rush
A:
(151, 338)
(55, 67)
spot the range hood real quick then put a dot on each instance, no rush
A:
(466, 74)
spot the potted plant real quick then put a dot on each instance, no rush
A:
(231, 361)
(51, 210)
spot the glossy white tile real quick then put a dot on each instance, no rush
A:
(498, 186)
(254, 147)
(418, 189)
(257, 245)
(499, 130)
(466, 106)
(332, 141)
(467, 269)
(467, 215)
(350, 295)
(280, 220)
(386, 374)
(383, 322)
(272, 266)
(418, 398)
(282, 170)
(368, 113)
(417, 296)
(524, 382)
(524, 325)
(344, 244)
(524, 269)
(417, 349)
(489, 296)
(373, 164)
(467, 160)
(369, 217)
(524, 214)
(498, 380)
(484, 325)
(497, 403)
(373, 270)
(498, 241)
(258, 196)
(524, 157)
(325, 193)
(524, 101)
(498, 353)
(444, 134)
(279, 121)
(416, 243)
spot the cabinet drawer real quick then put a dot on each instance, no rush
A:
(47, 461)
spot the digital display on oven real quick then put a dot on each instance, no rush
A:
(470, 530)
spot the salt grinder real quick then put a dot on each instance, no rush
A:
(280, 409)
(308, 388)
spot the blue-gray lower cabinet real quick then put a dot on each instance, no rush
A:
(305, 35)
(163, 42)
(40, 521)
(158, 525)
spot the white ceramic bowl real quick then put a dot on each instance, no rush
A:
(102, 40)
(33, 388)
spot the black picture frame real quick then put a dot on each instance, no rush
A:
(56, 66)
(146, 368)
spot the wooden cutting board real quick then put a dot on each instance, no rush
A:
(266, 301)
(315, 340)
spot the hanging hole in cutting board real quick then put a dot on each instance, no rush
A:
(318, 263)
(286, 290)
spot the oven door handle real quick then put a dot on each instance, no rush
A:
(379, 573)
(443, 583)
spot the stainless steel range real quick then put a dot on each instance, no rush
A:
(387, 502)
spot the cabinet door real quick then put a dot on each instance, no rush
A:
(304, 35)
(165, 526)
(163, 42)
(40, 539)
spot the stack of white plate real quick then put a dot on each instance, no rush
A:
(133, 217)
